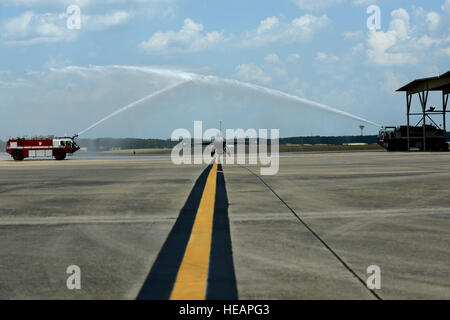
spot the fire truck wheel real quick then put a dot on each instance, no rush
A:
(59, 154)
(17, 155)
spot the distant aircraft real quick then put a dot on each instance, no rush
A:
(220, 144)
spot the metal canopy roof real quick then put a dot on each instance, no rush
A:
(440, 83)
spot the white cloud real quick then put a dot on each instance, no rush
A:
(353, 35)
(433, 20)
(427, 41)
(18, 26)
(8, 81)
(272, 58)
(31, 28)
(97, 15)
(445, 51)
(316, 5)
(293, 57)
(325, 58)
(366, 2)
(268, 24)
(272, 30)
(190, 38)
(252, 73)
(281, 72)
(405, 43)
(400, 22)
(392, 81)
(57, 62)
(383, 47)
(81, 3)
(105, 21)
(357, 48)
(446, 6)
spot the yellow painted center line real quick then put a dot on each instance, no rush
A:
(193, 273)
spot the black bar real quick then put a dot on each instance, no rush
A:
(253, 310)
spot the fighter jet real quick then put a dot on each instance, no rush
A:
(219, 145)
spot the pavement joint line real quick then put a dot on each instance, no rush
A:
(191, 281)
(343, 173)
(362, 172)
(25, 221)
(315, 234)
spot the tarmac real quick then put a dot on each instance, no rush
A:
(309, 232)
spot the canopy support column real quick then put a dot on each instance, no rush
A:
(444, 108)
(408, 109)
(423, 96)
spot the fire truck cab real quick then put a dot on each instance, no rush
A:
(58, 148)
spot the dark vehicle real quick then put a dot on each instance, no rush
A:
(396, 138)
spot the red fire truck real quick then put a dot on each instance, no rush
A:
(58, 148)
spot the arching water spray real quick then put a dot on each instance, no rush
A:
(214, 80)
(208, 80)
(286, 96)
(135, 103)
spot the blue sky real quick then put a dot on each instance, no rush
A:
(50, 78)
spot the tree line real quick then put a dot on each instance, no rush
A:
(107, 144)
